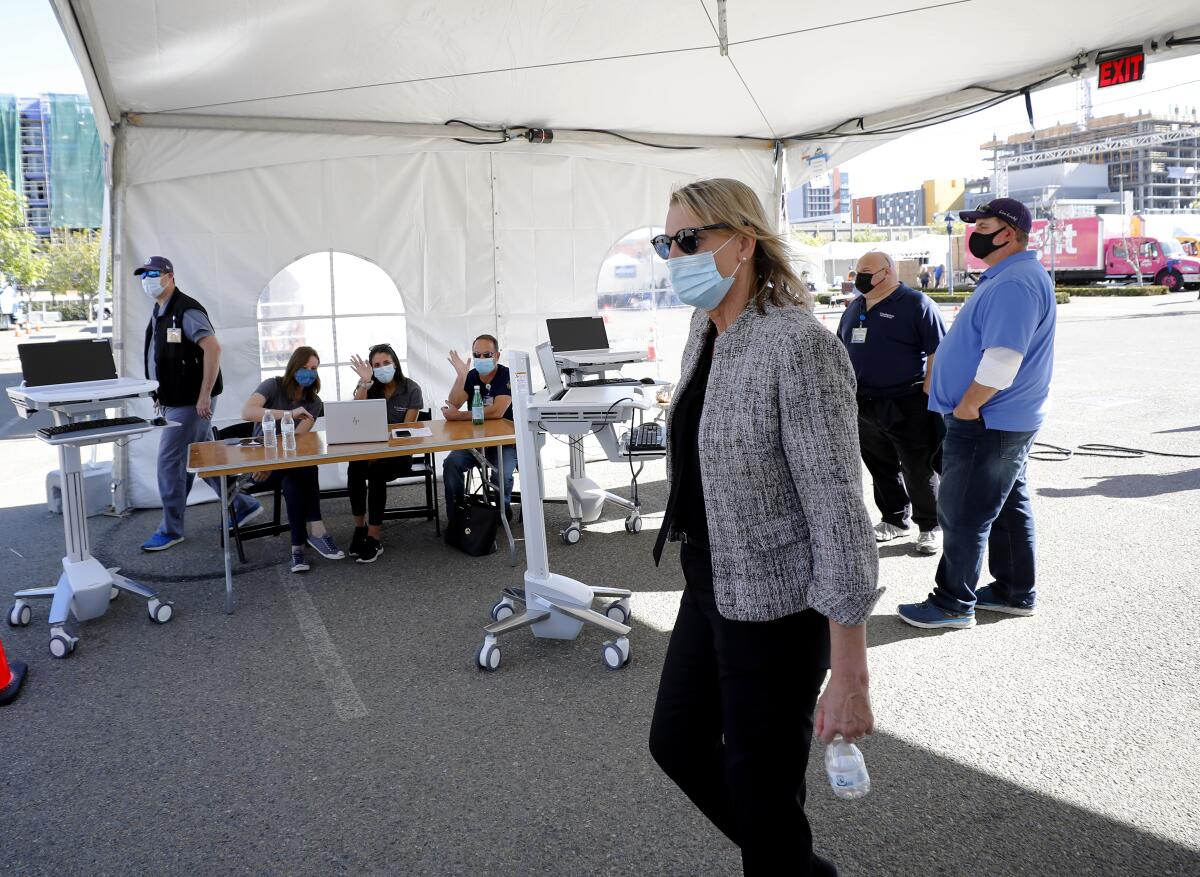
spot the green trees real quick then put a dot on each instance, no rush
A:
(21, 258)
(73, 265)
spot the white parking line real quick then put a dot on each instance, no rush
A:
(346, 702)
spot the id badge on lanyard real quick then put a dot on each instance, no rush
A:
(174, 333)
(859, 335)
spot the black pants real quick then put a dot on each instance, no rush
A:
(367, 481)
(734, 719)
(301, 496)
(901, 446)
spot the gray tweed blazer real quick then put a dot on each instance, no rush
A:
(780, 466)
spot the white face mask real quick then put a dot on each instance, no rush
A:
(152, 286)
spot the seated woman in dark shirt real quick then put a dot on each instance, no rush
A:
(296, 391)
(379, 377)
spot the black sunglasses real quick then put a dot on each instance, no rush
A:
(687, 238)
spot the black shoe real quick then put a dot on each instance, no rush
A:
(370, 550)
(356, 541)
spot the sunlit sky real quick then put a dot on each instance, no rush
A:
(34, 58)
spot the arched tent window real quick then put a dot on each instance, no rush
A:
(337, 303)
(640, 310)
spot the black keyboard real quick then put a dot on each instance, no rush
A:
(646, 437)
(107, 424)
(596, 382)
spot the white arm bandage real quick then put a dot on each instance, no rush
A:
(998, 367)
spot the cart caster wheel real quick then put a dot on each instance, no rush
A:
(619, 611)
(159, 611)
(20, 614)
(502, 610)
(633, 524)
(488, 656)
(571, 535)
(62, 645)
(114, 593)
(616, 654)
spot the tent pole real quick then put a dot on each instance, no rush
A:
(120, 485)
(105, 239)
(779, 214)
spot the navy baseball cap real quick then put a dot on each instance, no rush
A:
(156, 263)
(1009, 210)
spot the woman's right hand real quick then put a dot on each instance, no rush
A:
(361, 367)
(300, 413)
(844, 708)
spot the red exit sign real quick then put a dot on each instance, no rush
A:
(1118, 71)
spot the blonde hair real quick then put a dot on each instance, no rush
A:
(734, 203)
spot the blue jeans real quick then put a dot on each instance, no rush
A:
(983, 502)
(459, 463)
(174, 480)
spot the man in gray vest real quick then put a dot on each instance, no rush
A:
(183, 355)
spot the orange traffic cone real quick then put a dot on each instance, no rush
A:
(650, 352)
(11, 677)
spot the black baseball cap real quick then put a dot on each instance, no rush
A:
(156, 263)
(1009, 210)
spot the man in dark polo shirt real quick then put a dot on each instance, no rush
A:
(891, 332)
(485, 373)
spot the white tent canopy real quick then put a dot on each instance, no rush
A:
(249, 133)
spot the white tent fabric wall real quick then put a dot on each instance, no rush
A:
(476, 239)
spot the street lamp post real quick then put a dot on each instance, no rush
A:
(950, 252)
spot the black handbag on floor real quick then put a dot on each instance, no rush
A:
(473, 523)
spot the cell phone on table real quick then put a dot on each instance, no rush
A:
(250, 443)
(401, 433)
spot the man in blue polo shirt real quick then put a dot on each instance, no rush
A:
(892, 332)
(991, 382)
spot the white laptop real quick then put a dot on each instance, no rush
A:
(359, 421)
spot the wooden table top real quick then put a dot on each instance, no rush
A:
(219, 458)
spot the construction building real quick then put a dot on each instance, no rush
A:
(50, 151)
(1154, 178)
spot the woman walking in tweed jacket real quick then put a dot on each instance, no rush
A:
(777, 550)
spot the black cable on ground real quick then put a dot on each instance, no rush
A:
(1056, 454)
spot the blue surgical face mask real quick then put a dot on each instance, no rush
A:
(697, 281)
(384, 373)
(306, 377)
(484, 365)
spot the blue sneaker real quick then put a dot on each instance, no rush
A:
(160, 542)
(987, 598)
(326, 547)
(245, 516)
(931, 616)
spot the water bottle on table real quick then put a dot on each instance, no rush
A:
(477, 408)
(287, 427)
(268, 426)
(846, 769)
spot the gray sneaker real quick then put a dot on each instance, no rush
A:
(929, 542)
(885, 532)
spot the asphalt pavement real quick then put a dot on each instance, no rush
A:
(336, 723)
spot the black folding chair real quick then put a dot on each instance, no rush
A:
(245, 485)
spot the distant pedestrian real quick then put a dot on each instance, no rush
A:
(991, 381)
(924, 277)
(937, 276)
